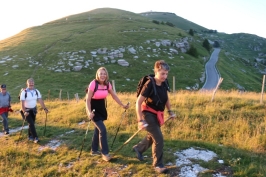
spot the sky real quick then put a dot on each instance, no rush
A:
(228, 16)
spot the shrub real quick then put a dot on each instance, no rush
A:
(191, 32)
(193, 51)
(156, 22)
(170, 24)
(206, 45)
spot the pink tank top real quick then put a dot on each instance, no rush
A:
(101, 92)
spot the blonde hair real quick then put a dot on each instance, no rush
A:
(107, 76)
(30, 79)
(160, 64)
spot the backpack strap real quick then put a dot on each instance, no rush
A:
(36, 91)
(25, 89)
(96, 87)
(153, 85)
(166, 83)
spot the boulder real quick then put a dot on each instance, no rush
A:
(122, 62)
(77, 68)
(132, 50)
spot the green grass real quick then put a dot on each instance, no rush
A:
(107, 28)
(174, 19)
(232, 126)
(41, 46)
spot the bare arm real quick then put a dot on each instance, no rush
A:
(23, 106)
(141, 122)
(168, 106)
(88, 104)
(115, 97)
(139, 101)
(40, 100)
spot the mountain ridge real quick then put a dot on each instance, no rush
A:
(41, 51)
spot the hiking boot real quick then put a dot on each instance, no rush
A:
(6, 133)
(36, 140)
(138, 154)
(95, 153)
(161, 169)
(106, 157)
(30, 138)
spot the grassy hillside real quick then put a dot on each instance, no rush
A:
(179, 22)
(232, 126)
(39, 51)
(242, 61)
(242, 58)
(49, 52)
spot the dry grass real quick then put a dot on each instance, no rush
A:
(233, 125)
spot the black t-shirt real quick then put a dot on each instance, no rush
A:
(156, 102)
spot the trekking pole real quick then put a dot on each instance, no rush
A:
(129, 139)
(136, 134)
(85, 136)
(45, 124)
(119, 126)
(24, 119)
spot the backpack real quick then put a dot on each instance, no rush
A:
(150, 77)
(96, 87)
(25, 89)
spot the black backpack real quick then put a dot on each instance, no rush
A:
(144, 79)
(96, 88)
(26, 93)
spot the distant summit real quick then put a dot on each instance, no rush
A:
(178, 21)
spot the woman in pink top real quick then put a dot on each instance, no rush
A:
(96, 101)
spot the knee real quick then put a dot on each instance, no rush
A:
(159, 141)
(103, 131)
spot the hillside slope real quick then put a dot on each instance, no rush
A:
(242, 59)
(179, 22)
(54, 52)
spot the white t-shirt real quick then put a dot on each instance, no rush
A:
(31, 99)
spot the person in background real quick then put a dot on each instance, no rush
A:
(96, 101)
(5, 101)
(150, 109)
(29, 98)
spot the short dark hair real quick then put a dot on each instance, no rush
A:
(161, 64)
(3, 86)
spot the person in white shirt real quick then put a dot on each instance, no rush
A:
(29, 98)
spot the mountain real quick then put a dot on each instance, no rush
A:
(52, 52)
(173, 18)
(63, 55)
(243, 56)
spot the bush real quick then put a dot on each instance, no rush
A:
(206, 45)
(193, 51)
(156, 22)
(191, 32)
(170, 24)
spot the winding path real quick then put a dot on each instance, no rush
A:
(212, 75)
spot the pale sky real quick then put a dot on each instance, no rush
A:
(228, 16)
